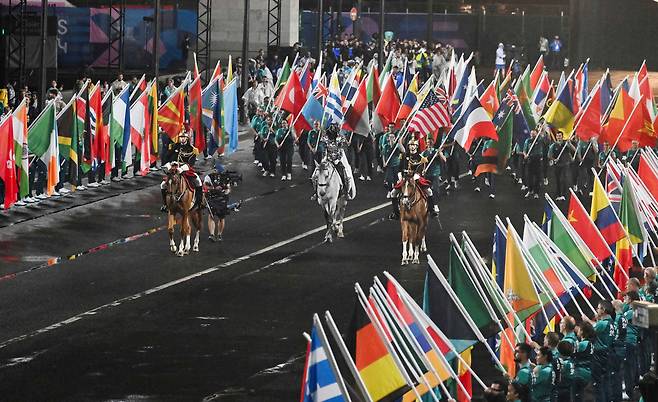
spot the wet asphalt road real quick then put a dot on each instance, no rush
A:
(127, 320)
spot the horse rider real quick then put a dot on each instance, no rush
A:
(334, 146)
(414, 165)
(183, 154)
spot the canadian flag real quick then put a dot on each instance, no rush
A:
(291, 99)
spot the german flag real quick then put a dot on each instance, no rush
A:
(380, 374)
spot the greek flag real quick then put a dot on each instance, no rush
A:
(321, 383)
(334, 108)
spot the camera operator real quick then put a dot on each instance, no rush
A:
(218, 187)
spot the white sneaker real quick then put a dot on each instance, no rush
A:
(116, 179)
(362, 178)
(154, 169)
(469, 173)
(380, 170)
(304, 166)
(2, 206)
(125, 176)
(368, 178)
(272, 175)
(492, 196)
(55, 194)
(288, 176)
(546, 182)
(93, 185)
(477, 189)
(519, 181)
(20, 203)
(80, 188)
(209, 157)
(42, 196)
(255, 162)
(283, 178)
(105, 182)
(524, 187)
(64, 190)
(536, 196)
(265, 173)
(486, 181)
(560, 198)
(30, 200)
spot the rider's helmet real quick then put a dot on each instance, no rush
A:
(184, 137)
(413, 145)
(332, 131)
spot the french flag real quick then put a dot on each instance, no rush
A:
(473, 123)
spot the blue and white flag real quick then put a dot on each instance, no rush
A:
(333, 111)
(321, 382)
(231, 114)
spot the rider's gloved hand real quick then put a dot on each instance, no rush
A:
(416, 176)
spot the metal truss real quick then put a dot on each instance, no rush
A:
(274, 23)
(116, 34)
(15, 61)
(204, 18)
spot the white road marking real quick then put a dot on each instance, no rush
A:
(184, 279)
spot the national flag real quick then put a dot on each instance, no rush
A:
(195, 101)
(587, 229)
(230, 114)
(317, 76)
(638, 127)
(372, 86)
(120, 125)
(321, 381)
(622, 105)
(567, 241)
(560, 115)
(152, 114)
(523, 95)
(217, 71)
(537, 73)
(603, 215)
(606, 92)
(541, 257)
(105, 142)
(42, 140)
(518, 286)
(229, 72)
(333, 112)
(613, 184)
(357, 116)
(648, 175)
(8, 162)
(94, 141)
(140, 131)
(171, 113)
(312, 110)
(489, 99)
(139, 88)
(409, 101)
(389, 103)
(19, 127)
(282, 77)
(464, 288)
(374, 362)
(69, 132)
(432, 114)
(461, 89)
(291, 98)
(541, 95)
(473, 123)
(629, 213)
(209, 97)
(305, 79)
(213, 107)
(498, 254)
(588, 124)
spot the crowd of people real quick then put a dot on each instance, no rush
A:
(607, 357)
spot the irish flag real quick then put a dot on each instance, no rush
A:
(19, 126)
(42, 140)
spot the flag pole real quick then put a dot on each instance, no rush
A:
(420, 377)
(462, 310)
(330, 357)
(504, 305)
(382, 336)
(346, 355)
(619, 136)
(414, 311)
(480, 291)
(544, 240)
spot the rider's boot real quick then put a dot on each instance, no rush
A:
(163, 208)
(198, 197)
(395, 205)
(432, 207)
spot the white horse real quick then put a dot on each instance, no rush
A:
(330, 198)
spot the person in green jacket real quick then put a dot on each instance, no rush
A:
(315, 146)
(602, 361)
(560, 155)
(522, 357)
(285, 144)
(564, 372)
(630, 366)
(256, 124)
(517, 392)
(582, 358)
(543, 376)
(568, 328)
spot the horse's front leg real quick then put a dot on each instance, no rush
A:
(423, 245)
(181, 248)
(339, 219)
(171, 222)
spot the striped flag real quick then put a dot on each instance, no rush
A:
(321, 381)
(42, 140)
(432, 113)
(19, 126)
(333, 109)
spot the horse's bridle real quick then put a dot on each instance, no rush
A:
(404, 199)
(330, 176)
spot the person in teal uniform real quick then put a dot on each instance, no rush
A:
(568, 328)
(433, 170)
(564, 372)
(522, 358)
(632, 156)
(630, 365)
(582, 358)
(543, 376)
(604, 327)
(517, 392)
(560, 155)
(391, 151)
(315, 146)
(284, 142)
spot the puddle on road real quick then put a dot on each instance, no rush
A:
(15, 361)
(226, 393)
(211, 318)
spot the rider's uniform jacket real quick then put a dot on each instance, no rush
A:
(182, 153)
(413, 164)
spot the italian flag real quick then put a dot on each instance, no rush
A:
(42, 141)
(19, 126)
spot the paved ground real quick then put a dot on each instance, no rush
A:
(127, 320)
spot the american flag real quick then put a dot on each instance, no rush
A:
(432, 113)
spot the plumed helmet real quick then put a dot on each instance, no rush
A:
(413, 141)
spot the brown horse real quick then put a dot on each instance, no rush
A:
(180, 201)
(413, 220)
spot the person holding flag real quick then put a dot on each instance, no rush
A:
(286, 147)
(533, 150)
(433, 168)
(560, 155)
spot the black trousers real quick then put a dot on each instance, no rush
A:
(285, 158)
(304, 152)
(561, 180)
(271, 154)
(534, 173)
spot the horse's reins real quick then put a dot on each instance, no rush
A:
(330, 176)
(416, 199)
